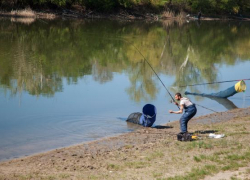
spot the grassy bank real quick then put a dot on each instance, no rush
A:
(149, 153)
(173, 7)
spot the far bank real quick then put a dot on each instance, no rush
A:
(128, 9)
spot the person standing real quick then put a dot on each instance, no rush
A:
(199, 15)
(190, 111)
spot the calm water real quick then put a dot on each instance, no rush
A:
(65, 82)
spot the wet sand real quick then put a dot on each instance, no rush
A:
(147, 153)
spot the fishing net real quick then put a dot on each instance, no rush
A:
(238, 87)
(134, 118)
(146, 118)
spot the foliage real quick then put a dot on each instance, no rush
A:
(214, 6)
(191, 6)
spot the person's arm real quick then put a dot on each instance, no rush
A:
(177, 112)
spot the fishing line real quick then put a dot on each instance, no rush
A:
(162, 82)
(155, 73)
(214, 82)
(205, 107)
(122, 39)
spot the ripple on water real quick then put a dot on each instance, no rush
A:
(35, 133)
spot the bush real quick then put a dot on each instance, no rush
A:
(193, 6)
(101, 4)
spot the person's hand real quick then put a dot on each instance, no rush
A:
(176, 103)
(170, 111)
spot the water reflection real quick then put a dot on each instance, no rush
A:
(88, 69)
(225, 102)
(36, 57)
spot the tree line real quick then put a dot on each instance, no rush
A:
(210, 7)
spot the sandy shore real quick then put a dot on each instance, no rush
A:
(149, 153)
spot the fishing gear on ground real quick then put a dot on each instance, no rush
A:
(185, 136)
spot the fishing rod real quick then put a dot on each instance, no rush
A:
(173, 100)
(155, 74)
(149, 66)
(214, 82)
(163, 83)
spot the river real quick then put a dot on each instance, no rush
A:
(65, 82)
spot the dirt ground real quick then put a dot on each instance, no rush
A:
(149, 153)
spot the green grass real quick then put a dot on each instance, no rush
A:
(157, 174)
(113, 167)
(92, 177)
(197, 173)
(199, 145)
(64, 176)
(155, 155)
(238, 133)
(234, 178)
(136, 164)
(233, 166)
(248, 171)
(222, 152)
(197, 159)
(224, 158)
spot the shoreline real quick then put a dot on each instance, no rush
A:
(103, 154)
(203, 119)
(121, 15)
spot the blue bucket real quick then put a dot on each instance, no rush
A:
(148, 115)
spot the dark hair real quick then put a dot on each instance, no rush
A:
(178, 94)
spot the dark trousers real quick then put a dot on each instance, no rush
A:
(190, 111)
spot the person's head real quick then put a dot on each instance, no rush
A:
(178, 96)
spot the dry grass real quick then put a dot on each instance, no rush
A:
(172, 15)
(27, 16)
(168, 15)
(23, 13)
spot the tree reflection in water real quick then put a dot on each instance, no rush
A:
(36, 57)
